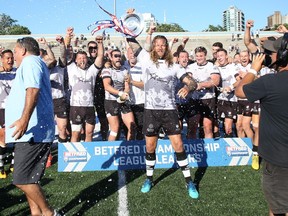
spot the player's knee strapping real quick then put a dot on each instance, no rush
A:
(113, 133)
(75, 127)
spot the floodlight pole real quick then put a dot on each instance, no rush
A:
(115, 7)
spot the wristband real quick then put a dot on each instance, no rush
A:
(253, 71)
(120, 93)
(119, 100)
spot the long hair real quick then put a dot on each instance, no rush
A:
(167, 55)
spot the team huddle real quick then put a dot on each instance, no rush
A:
(144, 89)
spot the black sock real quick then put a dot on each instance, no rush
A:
(60, 140)
(2, 155)
(255, 148)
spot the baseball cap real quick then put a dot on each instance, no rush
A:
(271, 45)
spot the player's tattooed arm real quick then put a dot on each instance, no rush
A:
(190, 83)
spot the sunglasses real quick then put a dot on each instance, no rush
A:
(117, 56)
(92, 48)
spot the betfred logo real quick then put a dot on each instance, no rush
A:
(237, 151)
(75, 156)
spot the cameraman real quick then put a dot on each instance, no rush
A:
(272, 91)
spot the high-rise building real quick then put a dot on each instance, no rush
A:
(233, 19)
(276, 19)
(285, 19)
(148, 18)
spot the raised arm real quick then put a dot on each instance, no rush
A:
(281, 29)
(180, 48)
(63, 55)
(247, 37)
(134, 45)
(100, 52)
(148, 41)
(69, 35)
(50, 55)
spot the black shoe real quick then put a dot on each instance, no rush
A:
(216, 135)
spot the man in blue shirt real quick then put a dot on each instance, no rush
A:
(30, 123)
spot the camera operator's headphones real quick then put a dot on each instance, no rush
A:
(282, 53)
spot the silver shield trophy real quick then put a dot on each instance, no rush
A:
(134, 22)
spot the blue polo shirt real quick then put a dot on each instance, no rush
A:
(32, 73)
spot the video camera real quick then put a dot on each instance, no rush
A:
(268, 60)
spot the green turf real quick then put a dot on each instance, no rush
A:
(223, 191)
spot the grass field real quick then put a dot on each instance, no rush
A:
(223, 191)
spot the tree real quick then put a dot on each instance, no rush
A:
(8, 26)
(19, 30)
(5, 23)
(174, 27)
(213, 28)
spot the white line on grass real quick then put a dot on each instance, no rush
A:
(122, 190)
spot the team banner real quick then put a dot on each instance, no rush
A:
(127, 155)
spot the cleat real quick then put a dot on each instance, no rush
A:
(193, 193)
(217, 135)
(146, 187)
(56, 213)
(49, 161)
(3, 174)
(11, 168)
(255, 162)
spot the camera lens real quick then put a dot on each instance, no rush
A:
(267, 61)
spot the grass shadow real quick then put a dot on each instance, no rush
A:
(97, 192)
(9, 200)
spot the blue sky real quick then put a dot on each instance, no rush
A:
(53, 16)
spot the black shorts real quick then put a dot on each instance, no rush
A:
(156, 119)
(30, 162)
(227, 109)
(275, 187)
(244, 108)
(2, 118)
(207, 108)
(188, 110)
(138, 112)
(256, 109)
(61, 108)
(113, 108)
(80, 115)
